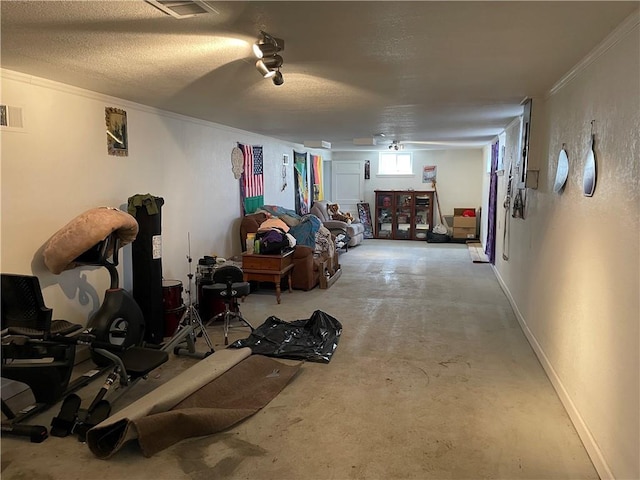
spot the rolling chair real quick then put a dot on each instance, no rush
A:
(229, 285)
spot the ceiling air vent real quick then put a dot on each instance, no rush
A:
(183, 9)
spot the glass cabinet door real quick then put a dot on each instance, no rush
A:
(384, 215)
(422, 217)
(404, 207)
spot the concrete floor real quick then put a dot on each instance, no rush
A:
(432, 379)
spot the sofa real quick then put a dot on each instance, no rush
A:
(308, 266)
(355, 229)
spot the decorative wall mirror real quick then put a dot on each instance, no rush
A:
(589, 178)
(562, 170)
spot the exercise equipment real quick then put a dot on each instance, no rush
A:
(130, 364)
(92, 238)
(20, 396)
(119, 320)
(30, 354)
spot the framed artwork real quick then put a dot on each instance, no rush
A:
(429, 173)
(116, 120)
(364, 214)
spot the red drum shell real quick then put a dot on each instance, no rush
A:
(172, 320)
(171, 294)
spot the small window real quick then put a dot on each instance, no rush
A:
(395, 164)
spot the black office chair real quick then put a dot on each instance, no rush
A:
(24, 311)
(229, 285)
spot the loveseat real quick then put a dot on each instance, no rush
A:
(355, 229)
(308, 266)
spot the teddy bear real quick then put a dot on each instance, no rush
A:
(336, 214)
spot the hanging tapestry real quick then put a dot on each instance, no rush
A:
(252, 179)
(316, 177)
(302, 187)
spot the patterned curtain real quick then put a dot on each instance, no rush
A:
(317, 177)
(252, 179)
(302, 185)
(490, 249)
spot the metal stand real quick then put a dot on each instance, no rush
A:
(227, 316)
(191, 326)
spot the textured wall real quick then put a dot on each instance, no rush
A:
(574, 268)
(459, 176)
(58, 167)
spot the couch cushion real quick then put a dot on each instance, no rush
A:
(319, 209)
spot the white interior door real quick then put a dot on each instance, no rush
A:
(347, 184)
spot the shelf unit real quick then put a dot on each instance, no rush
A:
(403, 214)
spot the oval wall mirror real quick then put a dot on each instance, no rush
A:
(589, 178)
(562, 171)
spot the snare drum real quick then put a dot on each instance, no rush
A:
(172, 305)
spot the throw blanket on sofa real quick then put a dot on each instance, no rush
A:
(303, 228)
(305, 232)
(279, 211)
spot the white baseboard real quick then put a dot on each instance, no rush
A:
(590, 444)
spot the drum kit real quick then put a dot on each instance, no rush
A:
(172, 290)
(182, 322)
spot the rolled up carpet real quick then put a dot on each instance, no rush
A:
(216, 393)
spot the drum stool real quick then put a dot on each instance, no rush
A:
(229, 285)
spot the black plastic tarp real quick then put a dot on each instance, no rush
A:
(313, 339)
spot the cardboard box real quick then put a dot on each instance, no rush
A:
(464, 232)
(463, 222)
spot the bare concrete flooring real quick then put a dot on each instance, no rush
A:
(432, 379)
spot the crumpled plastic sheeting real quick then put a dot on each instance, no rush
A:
(314, 339)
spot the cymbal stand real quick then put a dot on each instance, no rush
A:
(189, 327)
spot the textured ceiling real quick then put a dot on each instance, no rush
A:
(417, 71)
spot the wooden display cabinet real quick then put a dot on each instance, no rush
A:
(403, 214)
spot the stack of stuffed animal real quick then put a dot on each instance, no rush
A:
(336, 214)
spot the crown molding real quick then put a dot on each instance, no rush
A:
(621, 31)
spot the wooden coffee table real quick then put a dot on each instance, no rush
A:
(268, 268)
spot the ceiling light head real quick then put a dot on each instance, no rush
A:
(264, 70)
(278, 79)
(267, 46)
(272, 62)
(268, 68)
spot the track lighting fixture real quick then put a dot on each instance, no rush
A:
(269, 63)
(395, 145)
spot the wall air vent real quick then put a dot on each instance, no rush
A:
(11, 117)
(183, 9)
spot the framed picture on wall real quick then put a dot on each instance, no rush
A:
(429, 173)
(116, 120)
